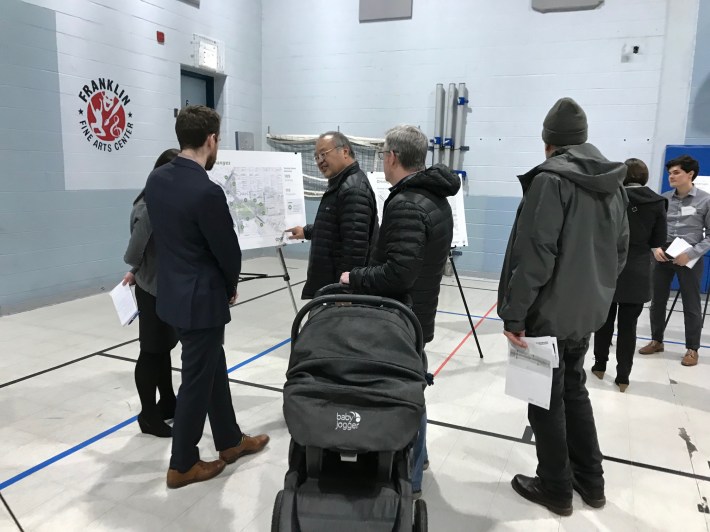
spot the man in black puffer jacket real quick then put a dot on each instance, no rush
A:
(343, 233)
(414, 240)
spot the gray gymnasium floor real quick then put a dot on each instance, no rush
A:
(72, 457)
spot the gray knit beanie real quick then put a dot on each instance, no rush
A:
(565, 124)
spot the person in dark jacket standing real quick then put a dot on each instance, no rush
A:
(199, 261)
(567, 247)
(413, 243)
(647, 230)
(343, 233)
(153, 369)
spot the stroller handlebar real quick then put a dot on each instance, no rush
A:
(344, 295)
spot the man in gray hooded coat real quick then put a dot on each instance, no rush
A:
(566, 249)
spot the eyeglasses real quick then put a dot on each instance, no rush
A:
(320, 156)
(381, 154)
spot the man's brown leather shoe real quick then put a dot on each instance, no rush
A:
(248, 445)
(690, 358)
(199, 472)
(651, 348)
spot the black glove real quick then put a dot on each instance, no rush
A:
(429, 379)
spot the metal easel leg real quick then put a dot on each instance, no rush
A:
(465, 304)
(287, 278)
(670, 312)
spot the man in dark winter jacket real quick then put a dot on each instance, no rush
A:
(566, 249)
(343, 233)
(647, 230)
(414, 241)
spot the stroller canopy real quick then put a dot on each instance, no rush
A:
(355, 380)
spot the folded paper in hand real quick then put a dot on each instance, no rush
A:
(529, 373)
(124, 303)
(678, 247)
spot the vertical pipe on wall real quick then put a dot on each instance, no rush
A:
(461, 109)
(440, 97)
(449, 124)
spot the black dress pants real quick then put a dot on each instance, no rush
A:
(565, 435)
(625, 343)
(204, 392)
(689, 281)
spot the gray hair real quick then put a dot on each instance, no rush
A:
(410, 145)
(341, 141)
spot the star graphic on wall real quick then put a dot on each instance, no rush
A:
(130, 115)
(81, 111)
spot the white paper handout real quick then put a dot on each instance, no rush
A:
(529, 373)
(679, 246)
(124, 303)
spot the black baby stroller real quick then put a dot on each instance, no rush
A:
(353, 402)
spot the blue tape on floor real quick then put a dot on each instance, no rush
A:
(252, 359)
(9, 482)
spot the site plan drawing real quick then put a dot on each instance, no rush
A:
(264, 192)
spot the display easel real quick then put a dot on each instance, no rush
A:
(463, 298)
(244, 277)
(675, 300)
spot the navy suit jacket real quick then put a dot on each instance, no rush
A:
(198, 252)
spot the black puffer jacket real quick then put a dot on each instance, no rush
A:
(413, 244)
(647, 229)
(342, 235)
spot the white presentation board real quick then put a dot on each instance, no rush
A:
(702, 182)
(381, 187)
(264, 192)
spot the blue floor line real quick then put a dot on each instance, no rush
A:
(498, 319)
(9, 482)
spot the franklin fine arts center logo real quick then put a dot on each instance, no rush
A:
(103, 120)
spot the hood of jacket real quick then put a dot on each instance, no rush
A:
(437, 179)
(642, 195)
(584, 165)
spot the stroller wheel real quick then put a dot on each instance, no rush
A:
(276, 515)
(420, 517)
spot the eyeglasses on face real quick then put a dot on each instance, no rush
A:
(381, 154)
(320, 156)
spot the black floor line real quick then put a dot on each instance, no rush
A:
(267, 294)
(103, 351)
(255, 385)
(235, 381)
(526, 439)
(19, 526)
(470, 287)
(47, 370)
(609, 458)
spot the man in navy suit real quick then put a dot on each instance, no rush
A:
(199, 261)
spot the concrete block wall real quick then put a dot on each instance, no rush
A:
(309, 66)
(365, 78)
(64, 205)
(698, 129)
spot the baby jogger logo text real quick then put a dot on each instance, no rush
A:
(347, 421)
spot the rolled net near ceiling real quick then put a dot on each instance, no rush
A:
(314, 184)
